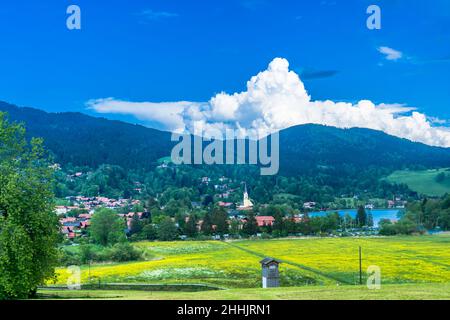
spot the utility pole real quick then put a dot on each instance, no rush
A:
(360, 266)
(89, 276)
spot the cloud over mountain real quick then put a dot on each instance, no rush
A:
(276, 99)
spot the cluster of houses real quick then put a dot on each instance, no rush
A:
(77, 225)
(397, 203)
(92, 203)
(72, 227)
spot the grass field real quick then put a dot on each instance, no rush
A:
(423, 182)
(387, 292)
(325, 262)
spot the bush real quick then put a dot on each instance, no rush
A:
(137, 237)
(404, 226)
(266, 235)
(87, 253)
(122, 252)
(68, 258)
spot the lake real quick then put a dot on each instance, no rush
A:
(378, 214)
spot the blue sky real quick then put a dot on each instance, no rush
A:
(191, 50)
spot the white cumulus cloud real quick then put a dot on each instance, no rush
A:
(276, 99)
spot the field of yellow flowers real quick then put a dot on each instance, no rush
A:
(400, 259)
(305, 262)
(200, 262)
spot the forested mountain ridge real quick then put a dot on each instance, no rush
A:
(316, 145)
(89, 141)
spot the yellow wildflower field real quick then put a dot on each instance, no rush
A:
(305, 262)
(203, 262)
(400, 259)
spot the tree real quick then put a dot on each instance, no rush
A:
(304, 226)
(278, 224)
(361, 217)
(331, 221)
(106, 227)
(235, 227)
(250, 227)
(136, 225)
(290, 226)
(220, 220)
(87, 253)
(149, 231)
(167, 230)
(190, 228)
(29, 227)
(208, 200)
(206, 227)
(387, 228)
(180, 219)
(370, 220)
(348, 221)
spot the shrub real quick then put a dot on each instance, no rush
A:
(404, 226)
(68, 258)
(124, 251)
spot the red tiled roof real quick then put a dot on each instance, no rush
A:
(85, 216)
(225, 204)
(265, 220)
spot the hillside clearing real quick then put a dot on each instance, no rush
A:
(423, 182)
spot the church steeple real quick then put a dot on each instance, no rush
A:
(247, 203)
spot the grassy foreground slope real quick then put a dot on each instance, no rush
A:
(423, 182)
(387, 292)
(325, 261)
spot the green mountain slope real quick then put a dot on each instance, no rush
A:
(84, 140)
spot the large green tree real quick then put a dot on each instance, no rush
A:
(107, 227)
(190, 228)
(219, 218)
(207, 225)
(167, 231)
(361, 217)
(29, 227)
(250, 227)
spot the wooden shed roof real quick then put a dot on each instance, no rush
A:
(267, 261)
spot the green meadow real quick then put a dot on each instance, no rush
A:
(423, 181)
(411, 267)
(386, 292)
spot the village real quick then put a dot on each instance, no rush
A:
(75, 218)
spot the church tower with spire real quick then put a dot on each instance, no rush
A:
(247, 204)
